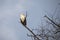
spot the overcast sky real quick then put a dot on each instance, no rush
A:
(11, 28)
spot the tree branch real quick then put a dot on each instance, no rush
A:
(31, 32)
(52, 21)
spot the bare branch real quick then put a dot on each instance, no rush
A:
(32, 32)
(52, 21)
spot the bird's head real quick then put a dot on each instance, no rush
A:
(22, 17)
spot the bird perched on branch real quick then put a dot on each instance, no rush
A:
(23, 19)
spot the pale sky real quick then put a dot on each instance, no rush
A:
(11, 28)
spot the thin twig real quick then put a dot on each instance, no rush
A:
(51, 21)
(31, 32)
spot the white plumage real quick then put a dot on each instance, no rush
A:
(23, 19)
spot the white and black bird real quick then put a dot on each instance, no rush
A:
(23, 19)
